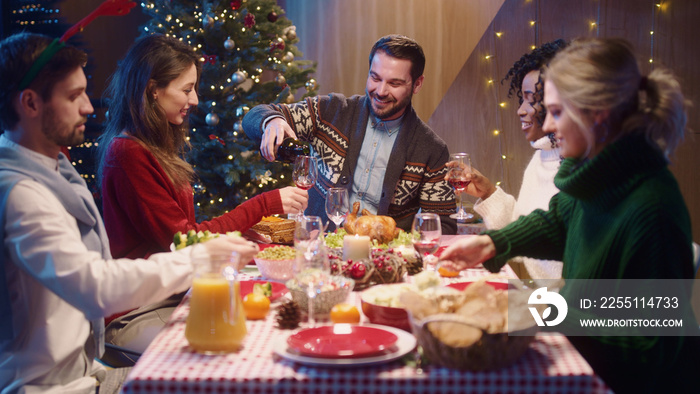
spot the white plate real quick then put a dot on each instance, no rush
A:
(405, 344)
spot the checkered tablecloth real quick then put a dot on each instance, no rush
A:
(550, 365)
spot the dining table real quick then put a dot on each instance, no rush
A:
(551, 364)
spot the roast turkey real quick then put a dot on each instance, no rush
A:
(379, 227)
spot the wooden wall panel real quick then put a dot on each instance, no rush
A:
(565, 19)
(675, 30)
(518, 36)
(339, 35)
(474, 102)
(676, 46)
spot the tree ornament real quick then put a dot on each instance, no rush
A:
(311, 85)
(168, 18)
(290, 99)
(211, 59)
(272, 16)
(249, 21)
(288, 315)
(277, 45)
(288, 57)
(280, 80)
(238, 126)
(218, 139)
(238, 77)
(229, 44)
(212, 119)
(242, 110)
(290, 32)
(236, 4)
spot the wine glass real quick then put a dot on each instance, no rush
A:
(304, 173)
(425, 234)
(456, 177)
(337, 205)
(311, 267)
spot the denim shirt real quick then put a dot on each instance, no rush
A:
(372, 162)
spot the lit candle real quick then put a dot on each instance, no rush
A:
(355, 247)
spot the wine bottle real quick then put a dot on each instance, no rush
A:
(290, 149)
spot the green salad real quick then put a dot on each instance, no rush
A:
(192, 237)
(335, 240)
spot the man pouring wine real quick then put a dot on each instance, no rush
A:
(375, 146)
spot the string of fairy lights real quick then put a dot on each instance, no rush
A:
(495, 69)
(38, 13)
(35, 14)
(657, 6)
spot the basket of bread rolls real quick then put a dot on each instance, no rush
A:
(471, 330)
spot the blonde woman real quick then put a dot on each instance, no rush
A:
(619, 213)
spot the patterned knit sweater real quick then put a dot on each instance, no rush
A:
(335, 126)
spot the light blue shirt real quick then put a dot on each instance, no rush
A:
(368, 179)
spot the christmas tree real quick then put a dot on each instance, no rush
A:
(248, 56)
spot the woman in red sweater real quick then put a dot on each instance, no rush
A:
(146, 184)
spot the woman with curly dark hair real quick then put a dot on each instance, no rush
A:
(499, 208)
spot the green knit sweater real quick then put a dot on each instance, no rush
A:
(618, 215)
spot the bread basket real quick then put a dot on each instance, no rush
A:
(492, 351)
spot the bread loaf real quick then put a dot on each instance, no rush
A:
(275, 230)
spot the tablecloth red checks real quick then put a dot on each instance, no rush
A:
(550, 365)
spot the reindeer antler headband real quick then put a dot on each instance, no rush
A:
(109, 7)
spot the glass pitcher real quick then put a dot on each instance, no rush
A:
(216, 322)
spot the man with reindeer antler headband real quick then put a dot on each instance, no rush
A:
(57, 276)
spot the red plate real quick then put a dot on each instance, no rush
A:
(278, 289)
(341, 341)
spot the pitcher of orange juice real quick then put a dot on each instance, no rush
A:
(216, 323)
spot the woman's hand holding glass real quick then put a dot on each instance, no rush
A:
(294, 199)
(479, 186)
(425, 233)
(337, 205)
(457, 178)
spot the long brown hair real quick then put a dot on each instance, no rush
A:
(152, 62)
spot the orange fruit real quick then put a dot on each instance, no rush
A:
(345, 313)
(444, 272)
(255, 306)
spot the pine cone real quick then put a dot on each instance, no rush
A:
(414, 265)
(288, 315)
